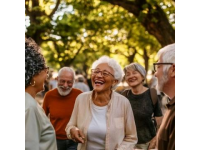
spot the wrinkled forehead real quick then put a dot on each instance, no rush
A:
(66, 74)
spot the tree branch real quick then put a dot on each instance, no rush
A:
(76, 53)
(54, 10)
(155, 21)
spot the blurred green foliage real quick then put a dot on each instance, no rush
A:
(75, 32)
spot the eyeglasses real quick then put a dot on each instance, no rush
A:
(104, 73)
(155, 65)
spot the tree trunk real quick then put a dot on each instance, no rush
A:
(146, 60)
(155, 21)
(35, 14)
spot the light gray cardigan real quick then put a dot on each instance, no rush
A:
(39, 133)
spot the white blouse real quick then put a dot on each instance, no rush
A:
(97, 128)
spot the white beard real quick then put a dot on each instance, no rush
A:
(161, 83)
(64, 93)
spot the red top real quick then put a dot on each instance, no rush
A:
(60, 109)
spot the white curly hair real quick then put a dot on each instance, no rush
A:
(118, 73)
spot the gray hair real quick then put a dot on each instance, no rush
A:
(118, 73)
(68, 69)
(80, 78)
(34, 60)
(167, 55)
(136, 67)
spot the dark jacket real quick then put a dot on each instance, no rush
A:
(166, 133)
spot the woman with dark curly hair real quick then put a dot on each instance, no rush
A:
(39, 133)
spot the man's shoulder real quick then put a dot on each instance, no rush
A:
(51, 93)
(77, 91)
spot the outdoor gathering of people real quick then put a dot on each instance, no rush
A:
(74, 117)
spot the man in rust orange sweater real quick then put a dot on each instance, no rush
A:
(59, 103)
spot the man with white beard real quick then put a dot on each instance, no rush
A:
(59, 103)
(165, 73)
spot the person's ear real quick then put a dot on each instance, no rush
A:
(173, 71)
(114, 83)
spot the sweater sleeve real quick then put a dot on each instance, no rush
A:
(130, 138)
(73, 120)
(32, 130)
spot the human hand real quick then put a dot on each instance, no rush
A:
(77, 135)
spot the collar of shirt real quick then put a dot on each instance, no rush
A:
(171, 102)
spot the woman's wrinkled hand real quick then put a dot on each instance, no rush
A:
(77, 135)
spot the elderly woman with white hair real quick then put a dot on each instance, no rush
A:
(141, 99)
(103, 119)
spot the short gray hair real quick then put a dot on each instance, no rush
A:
(118, 73)
(136, 67)
(68, 69)
(80, 78)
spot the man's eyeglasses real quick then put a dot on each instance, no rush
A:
(104, 73)
(155, 65)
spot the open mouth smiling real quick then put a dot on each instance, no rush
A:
(98, 82)
(132, 80)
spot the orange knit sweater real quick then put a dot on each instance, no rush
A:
(60, 109)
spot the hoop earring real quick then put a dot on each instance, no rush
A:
(33, 83)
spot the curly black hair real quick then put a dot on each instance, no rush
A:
(34, 60)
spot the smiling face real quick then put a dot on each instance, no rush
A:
(133, 78)
(103, 81)
(65, 83)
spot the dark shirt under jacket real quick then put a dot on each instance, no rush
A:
(143, 109)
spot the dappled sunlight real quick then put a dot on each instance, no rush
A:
(79, 32)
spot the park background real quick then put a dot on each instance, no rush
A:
(75, 33)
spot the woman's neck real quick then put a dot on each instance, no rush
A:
(138, 89)
(31, 91)
(101, 98)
